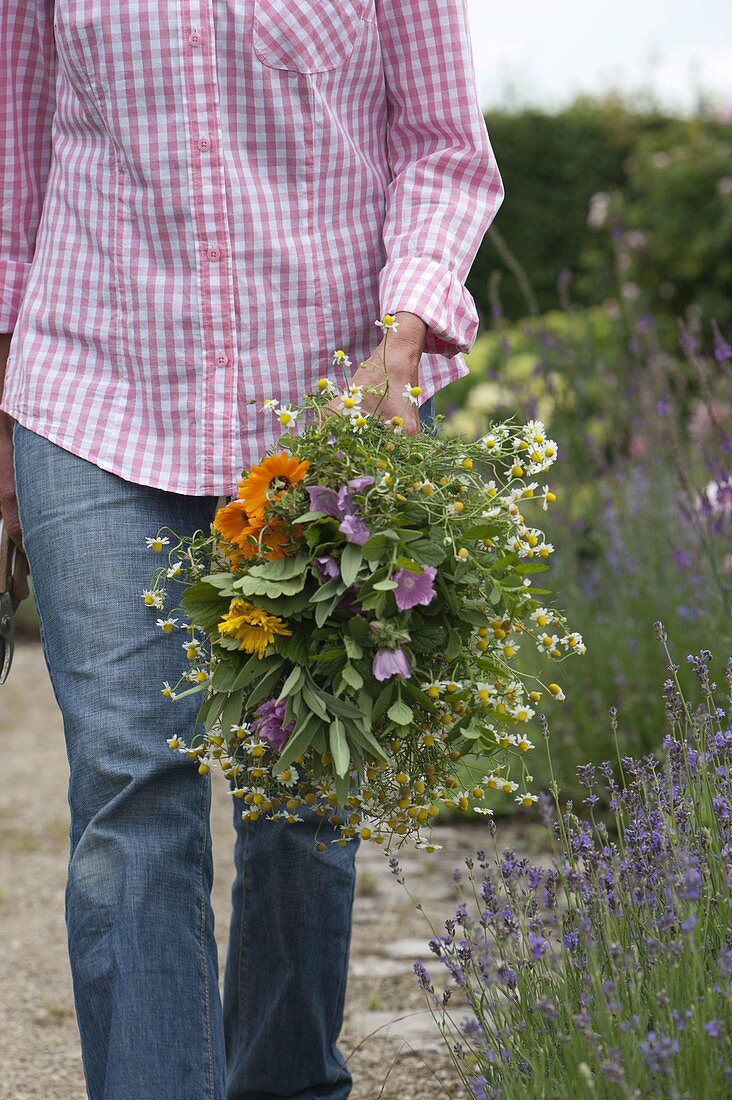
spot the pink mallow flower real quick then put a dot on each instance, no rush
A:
(391, 662)
(414, 588)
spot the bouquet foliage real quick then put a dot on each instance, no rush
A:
(355, 617)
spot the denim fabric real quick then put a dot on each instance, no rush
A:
(140, 926)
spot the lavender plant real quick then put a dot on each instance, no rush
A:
(608, 971)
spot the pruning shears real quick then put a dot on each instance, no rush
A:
(14, 570)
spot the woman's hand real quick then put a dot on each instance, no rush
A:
(403, 350)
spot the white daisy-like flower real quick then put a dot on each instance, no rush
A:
(287, 415)
(167, 625)
(359, 422)
(167, 690)
(156, 543)
(350, 400)
(542, 616)
(412, 393)
(483, 810)
(324, 385)
(177, 743)
(270, 405)
(154, 598)
(192, 649)
(526, 799)
(174, 570)
(505, 739)
(388, 324)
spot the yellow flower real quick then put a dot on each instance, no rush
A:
(253, 627)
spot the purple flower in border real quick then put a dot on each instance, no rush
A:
(323, 499)
(354, 528)
(327, 567)
(414, 588)
(268, 724)
(391, 662)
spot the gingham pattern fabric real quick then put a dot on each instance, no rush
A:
(202, 201)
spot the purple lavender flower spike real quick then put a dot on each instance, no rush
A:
(391, 662)
(414, 588)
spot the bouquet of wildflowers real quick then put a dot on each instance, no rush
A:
(355, 617)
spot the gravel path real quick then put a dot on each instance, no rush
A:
(403, 1060)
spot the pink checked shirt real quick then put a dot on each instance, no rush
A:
(203, 199)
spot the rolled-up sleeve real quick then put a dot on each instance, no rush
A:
(27, 101)
(446, 187)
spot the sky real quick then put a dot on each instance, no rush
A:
(542, 52)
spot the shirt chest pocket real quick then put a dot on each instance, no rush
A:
(306, 36)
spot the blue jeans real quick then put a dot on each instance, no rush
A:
(140, 926)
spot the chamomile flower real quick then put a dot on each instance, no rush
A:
(573, 642)
(549, 497)
(270, 405)
(324, 385)
(526, 799)
(349, 400)
(388, 324)
(166, 625)
(154, 597)
(397, 423)
(546, 642)
(177, 743)
(192, 649)
(412, 393)
(508, 786)
(288, 777)
(287, 415)
(557, 692)
(167, 690)
(542, 616)
(483, 810)
(340, 359)
(175, 569)
(156, 543)
(359, 422)
(523, 744)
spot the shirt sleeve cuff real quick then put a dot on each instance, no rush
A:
(13, 279)
(434, 293)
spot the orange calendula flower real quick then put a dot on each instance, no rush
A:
(274, 474)
(253, 627)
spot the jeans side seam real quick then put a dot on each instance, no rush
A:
(202, 943)
(340, 1003)
(244, 901)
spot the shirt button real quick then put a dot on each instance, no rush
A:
(194, 38)
(221, 358)
(213, 253)
(204, 143)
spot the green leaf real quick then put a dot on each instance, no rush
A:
(377, 544)
(265, 685)
(300, 740)
(263, 586)
(400, 713)
(285, 605)
(340, 706)
(427, 552)
(339, 747)
(307, 517)
(454, 645)
(385, 586)
(222, 582)
(254, 667)
(281, 569)
(213, 713)
(419, 697)
(328, 590)
(293, 647)
(351, 562)
(364, 737)
(352, 648)
(313, 700)
(225, 675)
(323, 611)
(204, 606)
(292, 684)
(383, 701)
(231, 714)
(352, 676)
